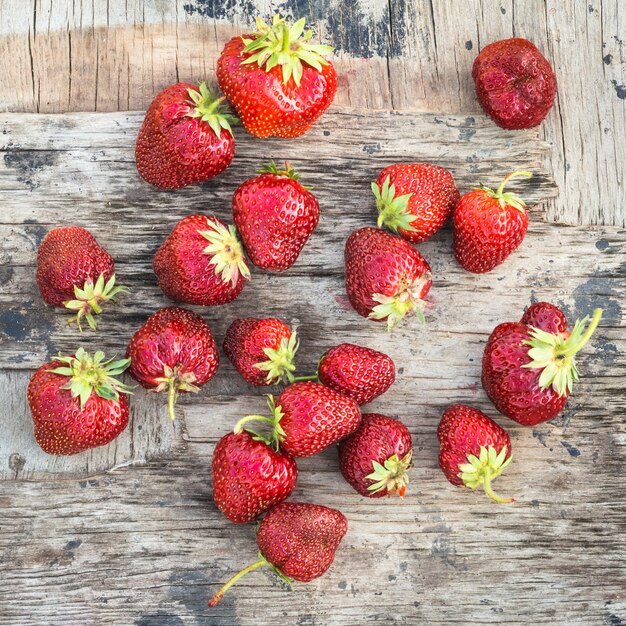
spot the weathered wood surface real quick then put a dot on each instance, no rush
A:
(115, 55)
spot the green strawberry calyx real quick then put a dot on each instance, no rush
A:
(407, 300)
(288, 172)
(482, 469)
(285, 46)
(393, 211)
(88, 299)
(392, 475)
(226, 252)
(280, 364)
(272, 439)
(211, 109)
(260, 563)
(507, 198)
(89, 374)
(555, 354)
(175, 381)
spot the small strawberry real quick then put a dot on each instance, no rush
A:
(262, 350)
(414, 200)
(74, 272)
(386, 278)
(529, 371)
(173, 351)
(515, 83)
(376, 457)
(76, 404)
(249, 477)
(185, 137)
(488, 226)
(201, 262)
(297, 541)
(275, 216)
(473, 449)
(276, 80)
(308, 417)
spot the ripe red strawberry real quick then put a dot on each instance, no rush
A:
(515, 83)
(473, 449)
(249, 477)
(529, 371)
(173, 351)
(358, 372)
(297, 541)
(74, 272)
(76, 404)
(488, 226)
(262, 350)
(414, 200)
(376, 457)
(308, 417)
(386, 278)
(276, 80)
(275, 216)
(201, 262)
(185, 137)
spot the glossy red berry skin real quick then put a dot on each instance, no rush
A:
(250, 477)
(515, 83)
(264, 104)
(545, 316)
(377, 438)
(301, 539)
(315, 417)
(358, 372)
(174, 150)
(462, 431)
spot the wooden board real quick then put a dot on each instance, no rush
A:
(144, 545)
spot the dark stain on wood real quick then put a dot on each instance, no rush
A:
(28, 163)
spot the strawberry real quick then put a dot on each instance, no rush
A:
(262, 350)
(201, 262)
(276, 80)
(275, 216)
(386, 278)
(297, 541)
(473, 449)
(529, 371)
(357, 372)
(308, 417)
(488, 226)
(515, 83)
(249, 477)
(173, 351)
(414, 200)
(376, 457)
(76, 404)
(74, 272)
(185, 137)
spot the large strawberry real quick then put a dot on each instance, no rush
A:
(275, 216)
(297, 541)
(201, 262)
(249, 476)
(308, 417)
(74, 272)
(529, 367)
(376, 457)
(76, 404)
(488, 226)
(514, 82)
(262, 350)
(386, 278)
(278, 82)
(185, 137)
(473, 449)
(414, 200)
(173, 351)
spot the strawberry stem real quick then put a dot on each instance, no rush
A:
(249, 418)
(500, 191)
(298, 379)
(573, 349)
(220, 594)
(489, 491)
(171, 397)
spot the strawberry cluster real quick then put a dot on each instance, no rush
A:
(279, 83)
